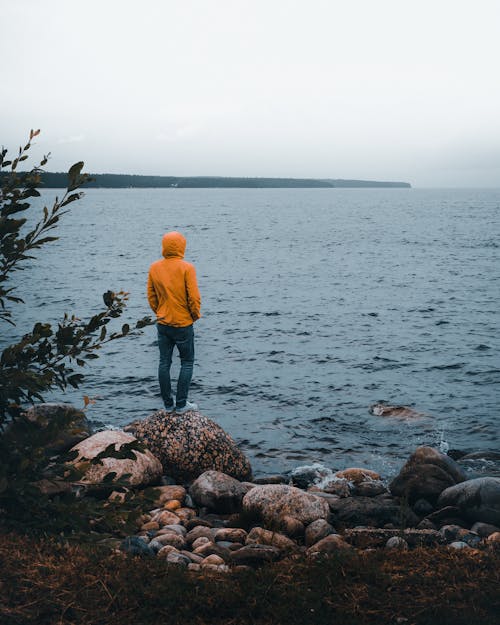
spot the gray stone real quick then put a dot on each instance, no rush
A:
(484, 529)
(317, 530)
(396, 542)
(190, 444)
(218, 491)
(178, 559)
(477, 500)
(135, 546)
(459, 544)
(274, 501)
(371, 511)
(427, 473)
(197, 532)
(370, 488)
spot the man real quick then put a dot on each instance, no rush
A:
(174, 297)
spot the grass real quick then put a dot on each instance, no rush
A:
(45, 581)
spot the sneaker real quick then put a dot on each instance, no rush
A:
(170, 407)
(189, 406)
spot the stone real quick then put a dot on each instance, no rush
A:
(202, 540)
(364, 538)
(371, 511)
(185, 514)
(494, 538)
(449, 515)
(337, 486)
(450, 532)
(426, 474)
(190, 444)
(232, 534)
(167, 518)
(291, 527)
(356, 475)
(172, 505)
(476, 500)
(311, 475)
(369, 489)
(255, 554)
(209, 549)
(164, 494)
(484, 529)
(141, 469)
(422, 507)
(74, 426)
(262, 536)
(194, 557)
(218, 491)
(197, 532)
(212, 559)
(316, 531)
(270, 479)
(164, 551)
(459, 544)
(179, 529)
(178, 559)
(426, 524)
(150, 525)
(329, 545)
(396, 542)
(196, 522)
(135, 546)
(274, 501)
(194, 567)
(173, 539)
(155, 546)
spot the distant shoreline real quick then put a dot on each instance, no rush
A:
(120, 181)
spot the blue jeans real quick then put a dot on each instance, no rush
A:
(183, 338)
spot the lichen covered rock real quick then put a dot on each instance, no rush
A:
(190, 444)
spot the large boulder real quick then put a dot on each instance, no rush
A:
(63, 425)
(476, 500)
(274, 501)
(426, 474)
(190, 444)
(112, 455)
(371, 511)
(218, 491)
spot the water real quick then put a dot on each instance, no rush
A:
(316, 304)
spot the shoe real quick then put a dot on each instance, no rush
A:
(189, 406)
(171, 407)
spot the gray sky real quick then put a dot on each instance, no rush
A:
(372, 89)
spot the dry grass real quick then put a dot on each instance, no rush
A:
(43, 581)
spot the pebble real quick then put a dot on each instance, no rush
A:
(459, 544)
(199, 531)
(396, 542)
(232, 534)
(150, 525)
(173, 539)
(201, 540)
(172, 505)
(167, 518)
(164, 551)
(212, 559)
(179, 559)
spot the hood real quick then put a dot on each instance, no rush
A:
(173, 245)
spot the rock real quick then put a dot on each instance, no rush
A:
(194, 557)
(484, 529)
(396, 542)
(328, 545)
(369, 489)
(364, 538)
(167, 518)
(450, 532)
(202, 540)
(450, 515)
(122, 456)
(185, 515)
(270, 479)
(178, 529)
(371, 511)
(476, 500)
(426, 524)
(164, 551)
(194, 567)
(316, 531)
(164, 494)
(212, 559)
(494, 538)
(262, 536)
(155, 546)
(336, 486)
(255, 554)
(291, 527)
(232, 534)
(426, 474)
(190, 444)
(178, 559)
(199, 531)
(51, 488)
(196, 522)
(74, 426)
(384, 410)
(311, 475)
(135, 546)
(172, 505)
(173, 539)
(459, 544)
(150, 525)
(209, 549)
(274, 501)
(218, 491)
(356, 476)
(422, 507)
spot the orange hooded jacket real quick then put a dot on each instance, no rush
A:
(172, 288)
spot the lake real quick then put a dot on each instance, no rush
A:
(317, 303)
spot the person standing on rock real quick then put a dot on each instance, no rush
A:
(175, 299)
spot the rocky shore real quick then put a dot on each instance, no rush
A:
(204, 511)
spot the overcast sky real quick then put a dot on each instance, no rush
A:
(372, 89)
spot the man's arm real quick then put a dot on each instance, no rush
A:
(152, 297)
(193, 294)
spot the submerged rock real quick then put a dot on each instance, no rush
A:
(426, 474)
(273, 502)
(122, 458)
(476, 500)
(190, 444)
